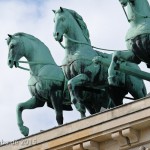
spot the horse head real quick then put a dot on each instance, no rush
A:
(15, 50)
(70, 24)
(61, 23)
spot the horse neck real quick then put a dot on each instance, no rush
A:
(138, 11)
(38, 54)
(75, 33)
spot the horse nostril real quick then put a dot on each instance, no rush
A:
(9, 61)
(57, 33)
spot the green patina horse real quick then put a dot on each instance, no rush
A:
(47, 83)
(47, 79)
(78, 66)
(137, 37)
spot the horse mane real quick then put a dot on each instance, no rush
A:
(26, 35)
(81, 23)
(29, 36)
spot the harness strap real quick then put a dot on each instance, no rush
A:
(78, 42)
(23, 68)
(33, 63)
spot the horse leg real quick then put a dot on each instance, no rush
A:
(75, 82)
(57, 105)
(30, 104)
(136, 87)
(112, 70)
(117, 94)
(90, 109)
(87, 98)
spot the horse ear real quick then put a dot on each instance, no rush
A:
(61, 9)
(54, 11)
(132, 1)
(10, 35)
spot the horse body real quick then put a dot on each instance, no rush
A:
(78, 67)
(137, 37)
(47, 82)
(47, 79)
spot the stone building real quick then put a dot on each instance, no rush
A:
(123, 128)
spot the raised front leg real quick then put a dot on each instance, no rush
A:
(113, 74)
(77, 81)
(30, 104)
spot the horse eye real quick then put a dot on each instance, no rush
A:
(63, 19)
(12, 46)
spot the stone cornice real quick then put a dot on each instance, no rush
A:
(125, 127)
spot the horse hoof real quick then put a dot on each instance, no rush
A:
(25, 131)
(83, 116)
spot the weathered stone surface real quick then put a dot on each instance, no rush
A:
(130, 120)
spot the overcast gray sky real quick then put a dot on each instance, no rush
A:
(107, 25)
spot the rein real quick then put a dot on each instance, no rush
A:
(23, 68)
(78, 42)
(126, 14)
(36, 63)
(33, 63)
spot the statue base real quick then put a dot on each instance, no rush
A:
(126, 127)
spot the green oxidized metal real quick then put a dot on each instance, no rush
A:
(79, 69)
(47, 83)
(137, 37)
(47, 79)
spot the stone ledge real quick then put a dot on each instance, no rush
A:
(129, 120)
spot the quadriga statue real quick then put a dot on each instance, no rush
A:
(78, 66)
(47, 83)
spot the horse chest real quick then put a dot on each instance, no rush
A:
(41, 88)
(70, 71)
(76, 67)
(38, 87)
